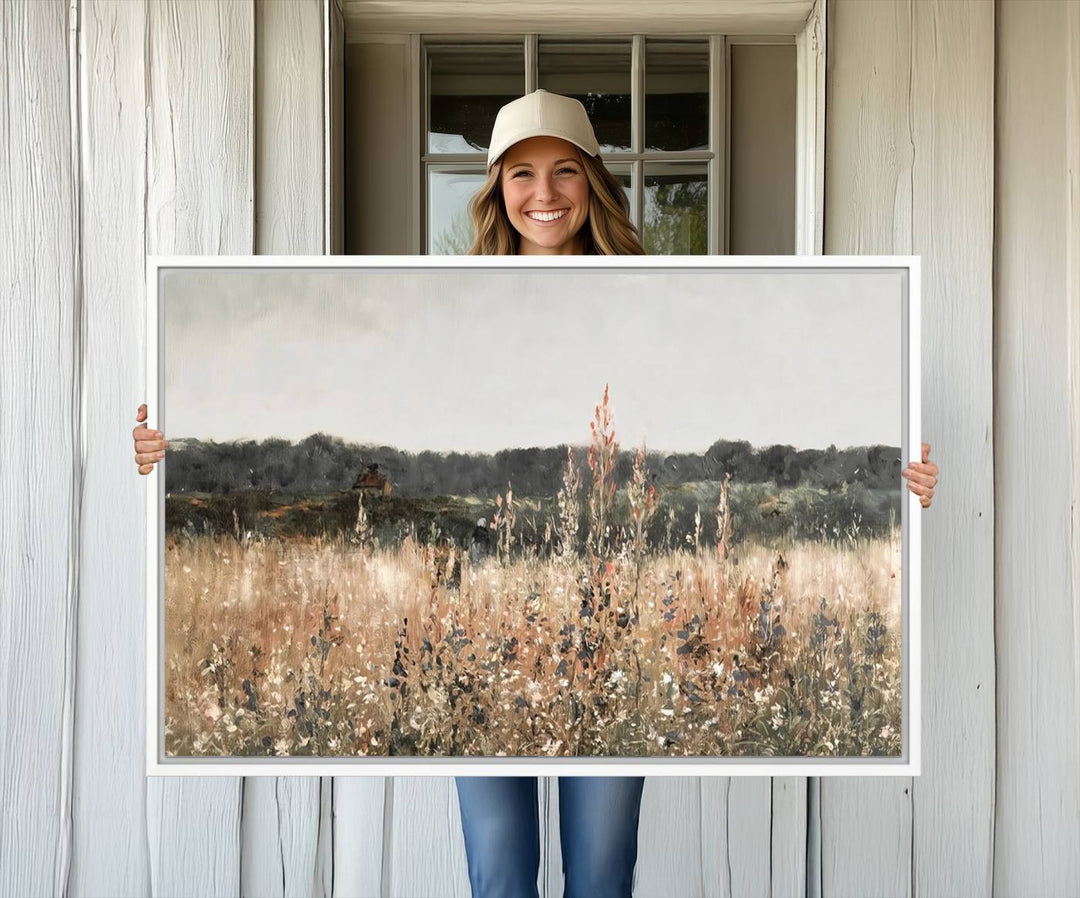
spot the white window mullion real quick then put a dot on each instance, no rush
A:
(637, 128)
(717, 178)
(419, 92)
(532, 57)
(725, 144)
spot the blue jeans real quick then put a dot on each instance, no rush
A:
(598, 822)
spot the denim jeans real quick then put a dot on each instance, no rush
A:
(598, 822)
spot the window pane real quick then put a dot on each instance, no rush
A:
(622, 174)
(597, 74)
(676, 208)
(449, 191)
(676, 95)
(466, 86)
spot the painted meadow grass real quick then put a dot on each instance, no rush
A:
(613, 617)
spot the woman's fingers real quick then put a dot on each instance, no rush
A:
(150, 445)
(920, 477)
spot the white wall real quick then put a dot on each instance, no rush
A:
(1036, 837)
(909, 150)
(139, 127)
(377, 151)
(762, 185)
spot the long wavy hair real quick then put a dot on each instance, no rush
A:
(607, 230)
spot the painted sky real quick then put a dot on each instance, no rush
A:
(468, 360)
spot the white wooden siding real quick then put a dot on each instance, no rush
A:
(286, 849)
(200, 128)
(109, 825)
(909, 150)
(1036, 839)
(41, 452)
(199, 197)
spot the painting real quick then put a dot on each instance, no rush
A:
(584, 512)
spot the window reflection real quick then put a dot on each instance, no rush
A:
(676, 95)
(596, 74)
(467, 84)
(449, 191)
(676, 208)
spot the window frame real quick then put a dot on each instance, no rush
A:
(810, 120)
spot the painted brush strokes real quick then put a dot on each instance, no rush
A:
(556, 514)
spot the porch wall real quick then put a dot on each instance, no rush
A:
(176, 127)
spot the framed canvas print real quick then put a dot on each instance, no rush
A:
(506, 516)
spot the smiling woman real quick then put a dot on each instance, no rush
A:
(547, 191)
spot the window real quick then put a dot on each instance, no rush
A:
(660, 108)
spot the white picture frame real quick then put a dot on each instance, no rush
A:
(908, 764)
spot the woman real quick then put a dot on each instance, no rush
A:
(547, 193)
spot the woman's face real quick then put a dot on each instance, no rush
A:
(546, 195)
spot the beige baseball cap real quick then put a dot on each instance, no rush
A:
(541, 114)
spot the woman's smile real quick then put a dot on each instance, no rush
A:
(546, 216)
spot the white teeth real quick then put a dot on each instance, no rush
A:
(546, 216)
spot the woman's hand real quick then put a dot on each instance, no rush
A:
(922, 477)
(149, 445)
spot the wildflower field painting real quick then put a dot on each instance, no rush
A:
(492, 512)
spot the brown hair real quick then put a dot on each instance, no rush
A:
(607, 231)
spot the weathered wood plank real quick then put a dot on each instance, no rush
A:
(199, 200)
(865, 822)
(669, 837)
(41, 446)
(360, 809)
(788, 846)
(426, 844)
(952, 129)
(280, 836)
(289, 132)
(282, 815)
(736, 836)
(110, 742)
(926, 111)
(1037, 451)
(200, 182)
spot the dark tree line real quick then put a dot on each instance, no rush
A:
(322, 463)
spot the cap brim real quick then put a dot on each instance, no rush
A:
(495, 153)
